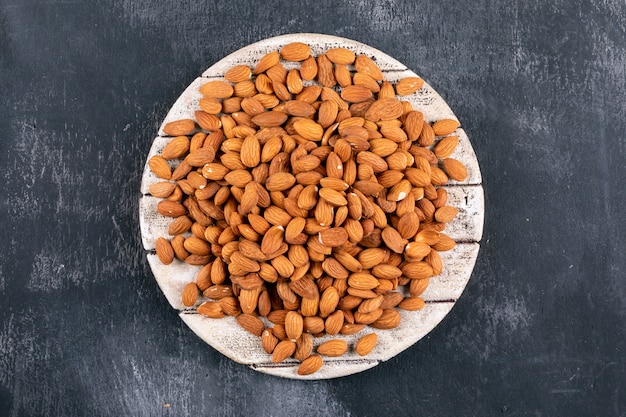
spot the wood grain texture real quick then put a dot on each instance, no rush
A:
(229, 338)
(539, 329)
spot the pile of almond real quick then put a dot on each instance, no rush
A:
(308, 194)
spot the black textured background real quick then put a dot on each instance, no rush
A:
(538, 85)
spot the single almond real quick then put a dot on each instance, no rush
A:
(384, 109)
(295, 51)
(211, 309)
(446, 146)
(251, 324)
(283, 350)
(310, 365)
(409, 85)
(366, 65)
(366, 344)
(333, 348)
(455, 169)
(444, 127)
(341, 56)
(190, 294)
(159, 166)
(333, 237)
(217, 89)
(164, 251)
(356, 93)
(179, 127)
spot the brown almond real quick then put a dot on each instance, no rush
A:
(356, 93)
(384, 109)
(445, 127)
(390, 319)
(217, 89)
(446, 146)
(266, 62)
(176, 148)
(211, 309)
(409, 85)
(362, 281)
(310, 365)
(171, 208)
(366, 344)
(417, 270)
(164, 251)
(412, 303)
(268, 341)
(293, 325)
(190, 294)
(283, 350)
(455, 169)
(179, 127)
(295, 51)
(333, 348)
(366, 65)
(333, 237)
(251, 323)
(341, 56)
(238, 73)
(159, 166)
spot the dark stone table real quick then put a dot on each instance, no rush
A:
(540, 87)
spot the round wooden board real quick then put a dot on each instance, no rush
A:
(225, 335)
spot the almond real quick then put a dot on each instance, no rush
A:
(409, 85)
(179, 127)
(283, 350)
(266, 62)
(293, 325)
(162, 189)
(366, 344)
(389, 319)
(445, 127)
(211, 309)
(251, 323)
(238, 73)
(268, 341)
(455, 169)
(308, 69)
(333, 348)
(356, 93)
(366, 65)
(362, 281)
(269, 119)
(333, 237)
(176, 148)
(272, 240)
(280, 181)
(417, 270)
(164, 251)
(384, 109)
(412, 303)
(295, 51)
(325, 74)
(190, 294)
(446, 146)
(308, 129)
(341, 56)
(171, 208)
(159, 166)
(334, 322)
(393, 239)
(217, 89)
(310, 365)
